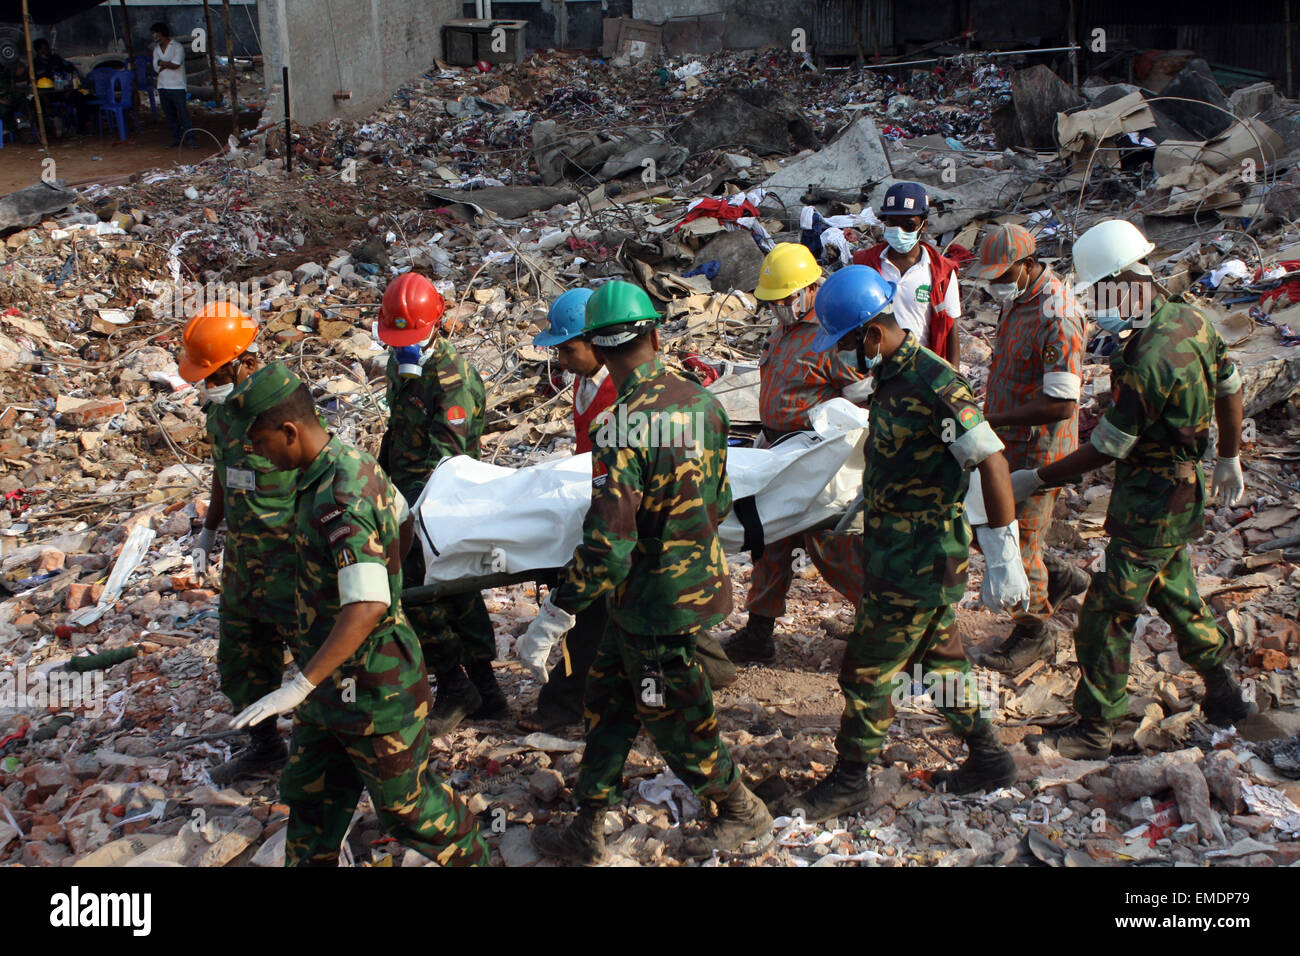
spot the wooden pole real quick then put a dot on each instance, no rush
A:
(212, 52)
(31, 76)
(234, 81)
(288, 129)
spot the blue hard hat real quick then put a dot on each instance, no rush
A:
(905, 199)
(567, 317)
(849, 299)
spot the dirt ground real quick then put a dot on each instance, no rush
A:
(85, 159)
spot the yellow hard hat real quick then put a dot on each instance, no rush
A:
(789, 267)
(45, 83)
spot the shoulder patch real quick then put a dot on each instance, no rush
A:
(340, 532)
(456, 415)
(599, 472)
(969, 417)
(345, 557)
(1051, 354)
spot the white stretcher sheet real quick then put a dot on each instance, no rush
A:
(474, 518)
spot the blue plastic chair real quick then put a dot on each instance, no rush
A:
(97, 79)
(145, 80)
(117, 100)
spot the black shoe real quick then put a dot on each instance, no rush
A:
(844, 790)
(1064, 580)
(1026, 644)
(743, 824)
(582, 841)
(266, 751)
(1085, 739)
(989, 766)
(1224, 703)
(457, 699)
(718, 668)
(753, 642)
(484, 679)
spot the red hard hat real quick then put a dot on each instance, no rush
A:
(411, 310)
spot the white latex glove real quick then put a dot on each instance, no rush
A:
(202, 551)
(1024, 483)
(277, 702)
(1006, 586)
(1228, 482)
(551, 624)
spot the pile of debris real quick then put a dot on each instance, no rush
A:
(508, 187)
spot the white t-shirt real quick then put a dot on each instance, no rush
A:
(170, 79)
(912, 298)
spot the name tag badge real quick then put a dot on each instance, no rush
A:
(240, 479)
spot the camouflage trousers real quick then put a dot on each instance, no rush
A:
(837, 556)
(1133, 577)
(453, 631)
(890, 641)
(653, 682)
(250, 651)
(1034, 516)
(323, 781)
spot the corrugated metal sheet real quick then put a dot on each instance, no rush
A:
(833, 24)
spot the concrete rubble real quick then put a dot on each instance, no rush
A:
(507, 187)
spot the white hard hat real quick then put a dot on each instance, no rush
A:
(1106, 250)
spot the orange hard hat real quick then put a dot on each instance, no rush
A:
(411, 310)
(218, 333)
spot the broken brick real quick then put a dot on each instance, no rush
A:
(95, 411)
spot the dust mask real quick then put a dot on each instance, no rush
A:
(899, 240)
(217, 395)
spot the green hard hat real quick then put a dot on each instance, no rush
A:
(621, 304)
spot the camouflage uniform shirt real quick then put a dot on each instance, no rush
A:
(1163, 385)
(260, 560)
(1038, 351)
(348, 528)
(435, 416)
(926, 433)
(794, 379)
(659, 491)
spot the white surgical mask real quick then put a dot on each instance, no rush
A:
(899, 240)
(850, 358)
(219, 394)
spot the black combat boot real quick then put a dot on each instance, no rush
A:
(457, 699)
(484, 679)
(742, 824)
(718, 667)
(1026, 644)
(1224, 703)
(1064, 580)
(844, 790)
(753, 642)
(989, 766)
(582, 841)
(1085, 739)
(266, 751)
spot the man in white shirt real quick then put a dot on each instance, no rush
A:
(927, 302)
(169, 64)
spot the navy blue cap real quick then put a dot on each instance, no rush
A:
(905, 199)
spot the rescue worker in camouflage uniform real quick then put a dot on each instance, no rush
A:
(1035, 380)
(1170, 377)
(926, 435)
(794, 380)
(436, 406)
(650, 549)
(257, 617)
(362, 694)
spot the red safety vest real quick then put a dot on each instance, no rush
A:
(941, 270)
(582, 420)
